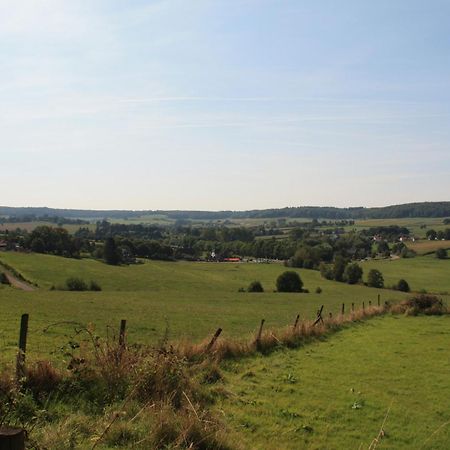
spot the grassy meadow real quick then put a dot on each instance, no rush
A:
(424, 247)
(190, 299)
(336, 393)
(421, 272)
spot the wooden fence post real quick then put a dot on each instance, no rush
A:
(296, 322)
(319, 316)
(123, 326)
(363, 306)
(20, 363)
(258, 338)
(353, 307)
(213, 340)
(12, 438)
(343, 309)
(370, 302)
(378, 299)
(330, 315)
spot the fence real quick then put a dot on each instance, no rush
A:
(23, 333)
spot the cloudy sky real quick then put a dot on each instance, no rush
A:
(223, 104)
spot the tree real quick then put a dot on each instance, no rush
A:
(255, 286)
(403, 285)
(353, 273)
(431, 235)
(339, 268)
(375, 279)
(326, 271)
(289, 281)
(441, 253)
(110, 252)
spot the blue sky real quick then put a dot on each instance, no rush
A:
(224, 104)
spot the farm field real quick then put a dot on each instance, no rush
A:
(190, 299)
(30, 226)
(421, 272)
(424, 246)
(395, 364)
(418, 226)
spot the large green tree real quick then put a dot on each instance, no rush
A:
(375, 279)
(111, 253)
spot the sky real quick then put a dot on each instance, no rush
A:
(224, 104)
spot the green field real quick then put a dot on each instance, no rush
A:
(418, 226)
(335, 394)
(193, 299)
(30, 226)
(424, 247)
(421, 272)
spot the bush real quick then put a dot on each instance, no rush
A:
(76, 284)
(318, 290)
(425, 304)
(353, 273)
(403, 285)
(375, 279)
(94, 286)
(3, 278)
(441, 253)
(255, 286)
(326, 271)
(289, 281)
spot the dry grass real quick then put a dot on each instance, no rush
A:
(273, 338)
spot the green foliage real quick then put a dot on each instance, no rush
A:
(3, 278)
(326, 270)
(111, 253)
(76, 284)
(94, 286)
(441, 253)
(403, 286)
(375, 279)
(318, 290)
(339, 268)
(289, 281)
(353, 273)
(255, 286)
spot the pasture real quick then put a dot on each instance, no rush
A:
(189, 299)
(421, 272)
(337, 393)
(424, 247)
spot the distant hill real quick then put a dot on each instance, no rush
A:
(424, 209)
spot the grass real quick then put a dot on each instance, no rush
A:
(336, 393)
(30, 226)
(426, 246)
(421, 272)
(418, 226)
(191, 299)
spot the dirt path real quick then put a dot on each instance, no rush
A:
(19, 284)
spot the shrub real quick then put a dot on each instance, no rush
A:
(255, 286)
(318, 290)
(94, 286)
(289, 281)
(326, 271)
(76, 284)
(425, 304)
(441, 253)
(375, 279)
(3, 278)
(403, 285)
(353, 273)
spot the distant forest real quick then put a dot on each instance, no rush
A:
(424, 209)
